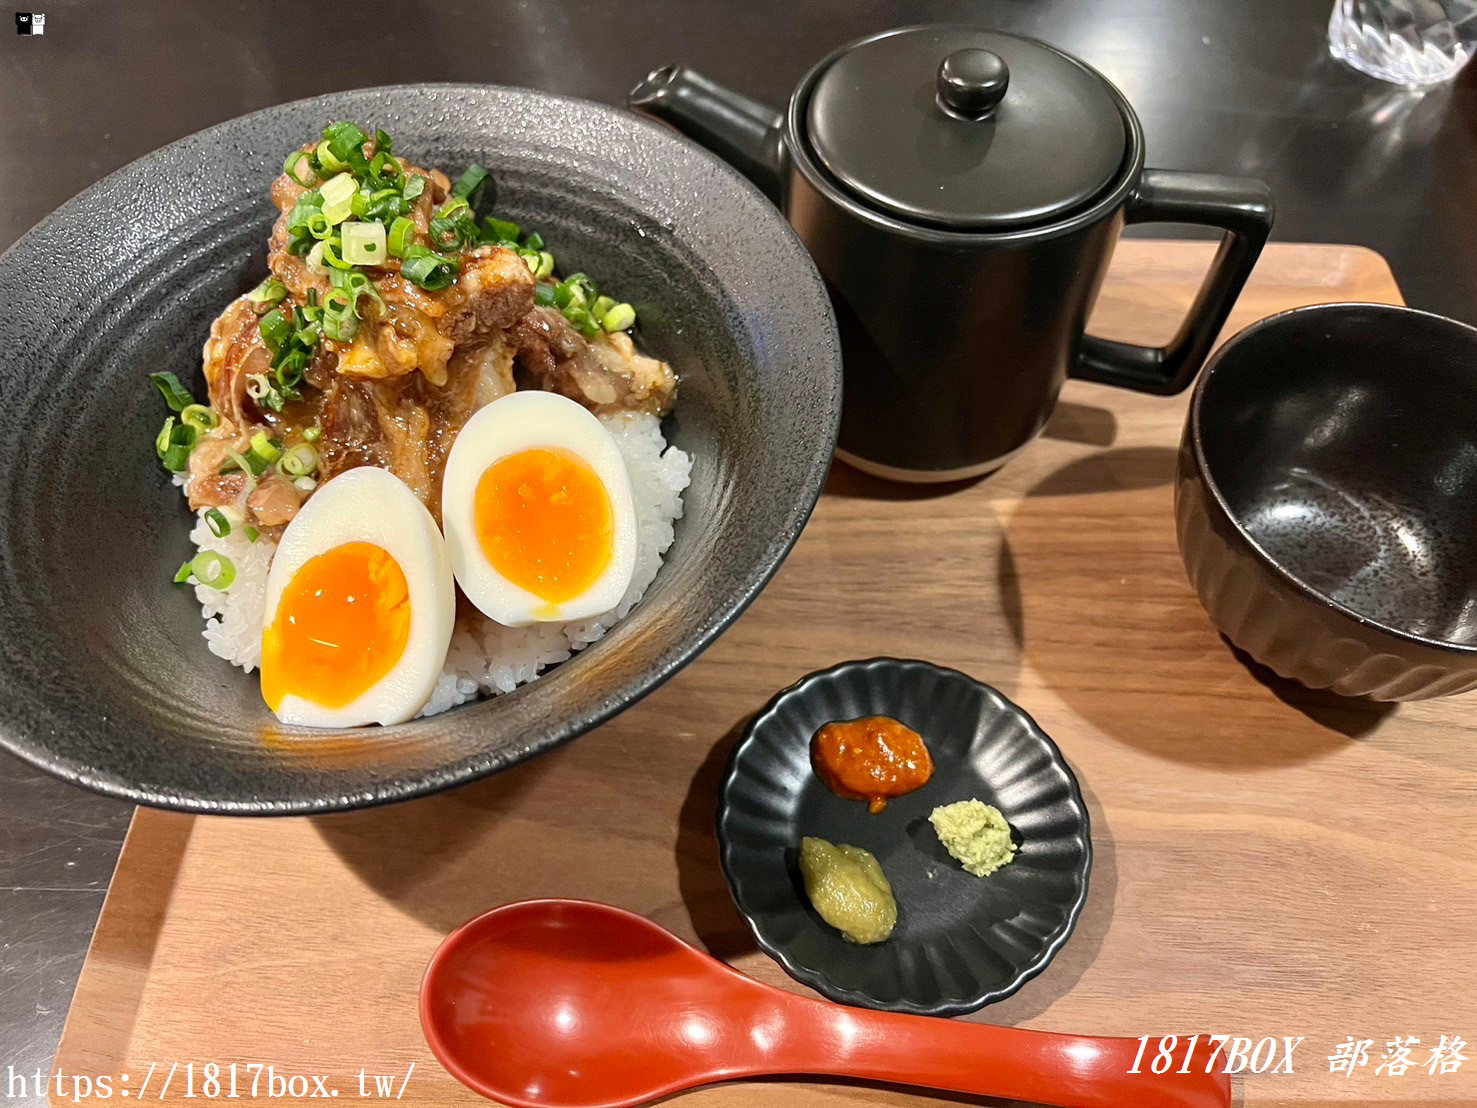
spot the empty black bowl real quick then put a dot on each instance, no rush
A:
(960, 941)
(104, 677)
(1327, 498)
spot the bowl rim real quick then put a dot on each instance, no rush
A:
(423, 782)
(816, 979)
(1213, 490)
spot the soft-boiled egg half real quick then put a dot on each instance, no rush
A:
(536, 504)
(360, 606)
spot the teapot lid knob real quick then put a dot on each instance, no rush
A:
(972, 82)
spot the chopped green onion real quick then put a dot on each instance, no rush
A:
(314, 260)
(364, 243)
(384, 166)
(338, 197)
(428, 269)
(345, 141)
(454, 234)
(299, 236)
(213, 569)
(502, 230)
(313, 433)
(582, 321)
(177, 458)
(469, 182)
(319, 226)
(380, 206)
(381, 142)
(183, 574)
(174, 443)
(251, 533)
(327, 160)
(269, 292)
(543, 295)
(444, 234)
(308, 203)
(256, 385)
(545, 265)
(305, 484)
(275, 329)
(161, 441)
(620, 318)
(300, 461)
(338, 299)
(248, 464)
(454, 225)
(533, 241)
(300, 168)
(175, 394)
(331, 256)
(267, 449)
(288, 372)
(340, 321)
(219, 525)
(356, 284)
(198, 416)
(455, 208)
(305, 336)
(569, 294)
(414, 186)
(531, 260)
(602, 305)
(401, 236)
(289, 375)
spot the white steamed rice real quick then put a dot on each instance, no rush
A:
(485, 657)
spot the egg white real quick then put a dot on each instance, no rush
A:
(374, 506)
(527, 421)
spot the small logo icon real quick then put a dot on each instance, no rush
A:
(30, 23)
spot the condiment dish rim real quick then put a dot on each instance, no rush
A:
(818, 980)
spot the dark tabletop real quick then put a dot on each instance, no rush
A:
(1244, 87)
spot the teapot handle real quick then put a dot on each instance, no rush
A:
(1240, 206)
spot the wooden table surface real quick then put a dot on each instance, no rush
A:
(1268, 861)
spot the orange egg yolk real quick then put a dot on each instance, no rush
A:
(545, 523)
(342, 623)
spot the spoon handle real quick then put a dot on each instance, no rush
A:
(1079, 1071)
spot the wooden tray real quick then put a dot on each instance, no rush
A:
(1269, 861)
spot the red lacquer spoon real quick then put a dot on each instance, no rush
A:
(564, 1003)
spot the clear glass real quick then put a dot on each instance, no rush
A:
(1406, 42)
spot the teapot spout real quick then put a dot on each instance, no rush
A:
(744, 134)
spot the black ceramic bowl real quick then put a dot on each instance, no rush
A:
(1327, 498)
(104, 677)
(961, 941)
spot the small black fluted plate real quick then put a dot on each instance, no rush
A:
(961, 942)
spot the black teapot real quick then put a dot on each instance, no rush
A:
(961, 191)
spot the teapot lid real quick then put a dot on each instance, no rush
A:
(966, 129)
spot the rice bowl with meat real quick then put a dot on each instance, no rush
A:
(394, 313)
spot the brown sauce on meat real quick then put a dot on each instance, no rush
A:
(421, 362)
